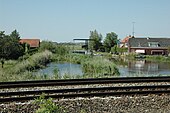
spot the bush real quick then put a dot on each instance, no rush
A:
(48, 106)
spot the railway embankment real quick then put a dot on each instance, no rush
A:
(106, 95)
(111, 104)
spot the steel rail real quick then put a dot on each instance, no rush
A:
(98, 94)
(75, 90)
(86, 79)
(42, 83)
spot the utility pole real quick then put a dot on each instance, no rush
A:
(133, 32)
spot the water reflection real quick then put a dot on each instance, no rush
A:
(143, 67)
(63, 68)
(126, 68)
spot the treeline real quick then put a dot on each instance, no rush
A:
(10, 48)
(59, 49)
(109, 44)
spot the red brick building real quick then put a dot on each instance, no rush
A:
(149, 46)
(33, 43)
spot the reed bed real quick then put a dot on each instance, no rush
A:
(23, 69)
(99, 65)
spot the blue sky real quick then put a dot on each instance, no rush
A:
(64, 20)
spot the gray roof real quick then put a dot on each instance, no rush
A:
(144, 42)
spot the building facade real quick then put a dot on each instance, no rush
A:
(149, 46)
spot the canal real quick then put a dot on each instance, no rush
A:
(126, 68)
(143, 68)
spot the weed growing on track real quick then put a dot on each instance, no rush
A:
(48, 106)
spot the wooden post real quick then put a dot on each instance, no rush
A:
(2, 62)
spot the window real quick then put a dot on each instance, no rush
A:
(153, 44)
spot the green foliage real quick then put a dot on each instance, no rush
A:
(47, 45)
(35, 61)
(24, 57)
(15, 35)
(122, 50)
(54, 47)
(56, 73)
(32, 51)
(73, 58)
(96, 40)
(114, 49)
(118, 50)
(99, 65)
(48, 106)
(110, 41)
(158, 58)
(10, 48)
(78, 58)
(62, 49)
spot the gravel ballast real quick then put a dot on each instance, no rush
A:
(108, 104)
(123, 104)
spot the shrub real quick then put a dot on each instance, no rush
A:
(48, 106)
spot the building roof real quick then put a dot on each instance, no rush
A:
(125, 40)
(31, 42)
(144, 42)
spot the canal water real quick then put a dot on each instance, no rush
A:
(143, 68)
(126, 68)
(63, 69)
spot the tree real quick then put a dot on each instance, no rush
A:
(2, 34)
(95, 41)
(110, 41)
(54, 47)
(10, 48)
(15, 35)
(48, 45)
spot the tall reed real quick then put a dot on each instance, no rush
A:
(99, 65)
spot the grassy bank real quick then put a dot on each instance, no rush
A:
(36, 61)
(22, 70)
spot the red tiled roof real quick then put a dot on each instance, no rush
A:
(125, 40)
(31, 42)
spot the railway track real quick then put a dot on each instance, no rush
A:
(83, 92)
(42, 83)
